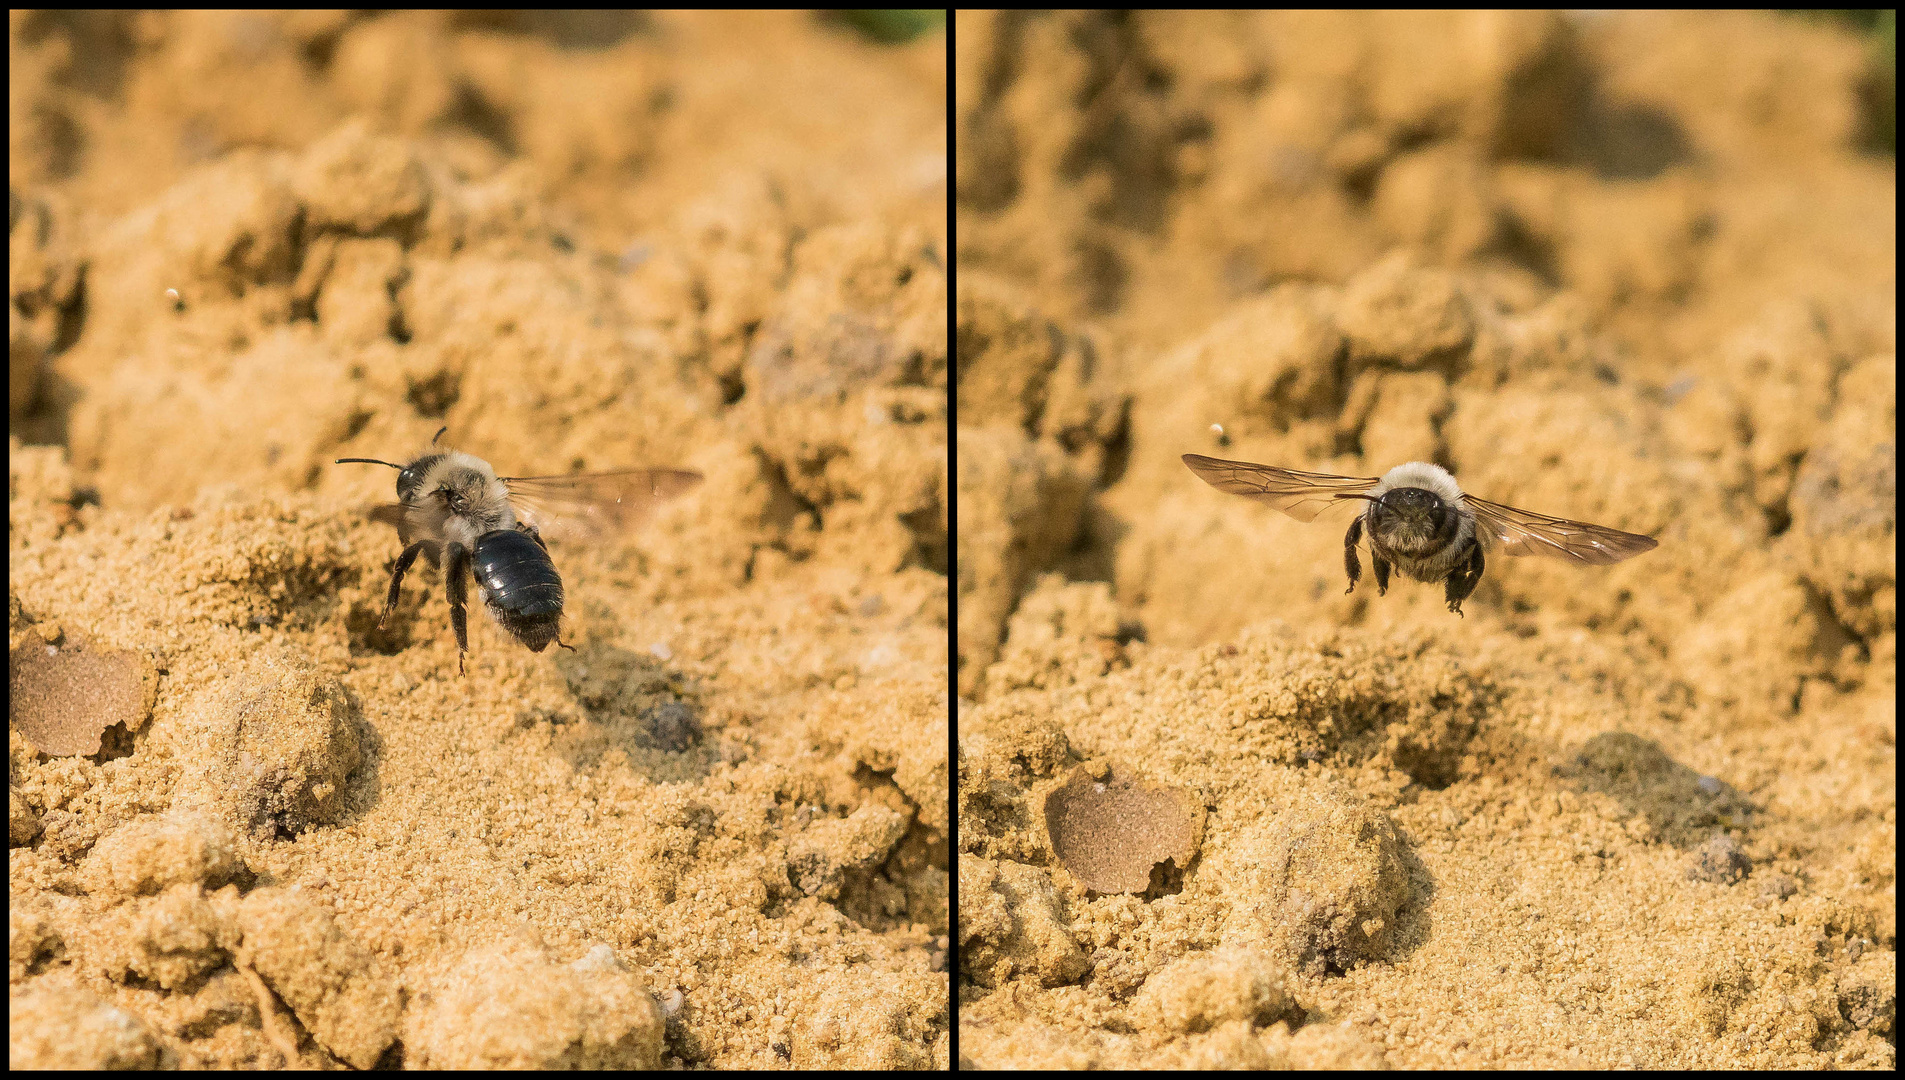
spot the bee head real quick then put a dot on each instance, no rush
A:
(1410, 517)
(410, 477)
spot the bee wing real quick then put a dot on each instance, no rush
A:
(1524, 532)
(1302, 495)
(411, 519)
(592, 506)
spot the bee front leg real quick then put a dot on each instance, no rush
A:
(1382, 572)
(1466, 575)
(456, 571)
(1350, 562)
(396, 579)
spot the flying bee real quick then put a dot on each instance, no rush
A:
(452, 507)
(1420, 522)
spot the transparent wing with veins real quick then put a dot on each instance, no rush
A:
(1302, 495)
(1524, 532)
(595, 506)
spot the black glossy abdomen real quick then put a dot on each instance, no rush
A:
(520, 585)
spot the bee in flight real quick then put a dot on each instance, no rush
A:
(452, 507)
(1420, 522)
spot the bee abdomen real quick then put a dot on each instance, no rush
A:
(520, 585)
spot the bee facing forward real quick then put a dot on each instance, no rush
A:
(1420, 522)
(453, 507)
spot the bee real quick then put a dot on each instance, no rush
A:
(1420, 522)
(452, 507)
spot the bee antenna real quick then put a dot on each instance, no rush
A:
(374, 461)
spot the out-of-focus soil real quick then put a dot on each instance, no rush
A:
(243, 245)
(1635, 269)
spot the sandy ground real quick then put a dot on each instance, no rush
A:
(251, 829)
(1213, 812)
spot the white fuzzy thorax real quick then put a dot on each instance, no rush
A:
(487, 498)
(477, 465)
(1420, 474)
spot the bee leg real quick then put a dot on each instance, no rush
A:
(1466, 575)
(396, 579)
(1350, 562)
(1382, 572)
(456, 568)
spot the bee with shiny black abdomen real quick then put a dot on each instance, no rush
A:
(452, 507)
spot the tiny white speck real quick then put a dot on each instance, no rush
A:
(661, 651)
(1217, 429)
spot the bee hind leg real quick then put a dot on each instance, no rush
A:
(455, 574)
(1350, 562)
(1463, 579)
